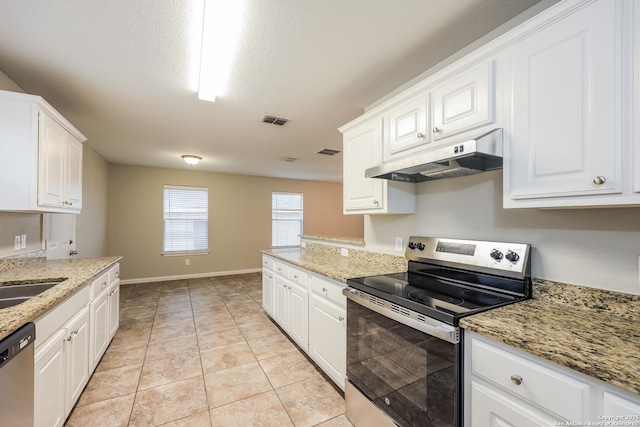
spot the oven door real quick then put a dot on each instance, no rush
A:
(412, 375)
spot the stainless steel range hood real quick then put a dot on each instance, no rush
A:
(466, 157)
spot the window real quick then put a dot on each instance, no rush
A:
(186, 220)
(286, 219)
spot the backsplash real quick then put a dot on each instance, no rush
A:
(17, 261)
(396, 262)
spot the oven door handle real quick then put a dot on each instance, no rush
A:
(405, 316)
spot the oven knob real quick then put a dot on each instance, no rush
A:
(496, 254)
(512, 256)
(411, 245)
(420, 246)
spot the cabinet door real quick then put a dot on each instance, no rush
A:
(267, 291)
(114, 309)
(491, 408)
(99, 315)
(52, 141)
(619, 406)
(408, 127)
(566, 138)
(50, 395)
(328, 338)
(77, 357)
(464, 102)
(299, 319)
(362, 150)
(281, 298)
(74, 168)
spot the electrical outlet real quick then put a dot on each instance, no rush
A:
(23, 241)
(187, 261)
(303, 245)
(344, 251)
(399, 245)
(16, 243)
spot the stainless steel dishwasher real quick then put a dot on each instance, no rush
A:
(16, 377)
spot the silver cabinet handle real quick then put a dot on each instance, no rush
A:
(375, 202)
(73, 253)
(420, 135)
(67, 338)
(341, 318)
(599, 180)
(516, 379)
(436, 130)
(324, 290)
(295, 276)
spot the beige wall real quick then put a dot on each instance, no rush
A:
(239, 218)
(91, 224)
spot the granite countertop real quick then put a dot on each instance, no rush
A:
(333, 239)
(78, 271)
(327, 261)
(589, 330)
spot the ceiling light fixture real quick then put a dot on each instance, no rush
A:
(191, 159)
(220, 33)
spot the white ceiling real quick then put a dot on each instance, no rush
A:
(124, 72)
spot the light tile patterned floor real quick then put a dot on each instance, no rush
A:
(202, 353)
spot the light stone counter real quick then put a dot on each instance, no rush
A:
(333, 239)
(327, 261)
(589, 330)
(78, 271)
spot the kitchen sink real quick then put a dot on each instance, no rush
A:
(14, 294)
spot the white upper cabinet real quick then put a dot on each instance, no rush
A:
(464, 102)
(42, 171)
(362, 149)
(571, 136)
(408, 127)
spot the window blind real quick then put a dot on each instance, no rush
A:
(286, 219)
(186, 220)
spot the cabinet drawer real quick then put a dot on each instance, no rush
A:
(99, 284)
(268, 263)
(329, 290)
(114, 273)
(282, 269)
(53, 319)
(552, 390)
(299, 276)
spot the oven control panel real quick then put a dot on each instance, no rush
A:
(474, 254)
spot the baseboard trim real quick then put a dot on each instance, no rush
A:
(188, 276)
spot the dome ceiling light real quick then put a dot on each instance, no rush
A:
(191, 159)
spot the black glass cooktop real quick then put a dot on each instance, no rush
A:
(444, 296)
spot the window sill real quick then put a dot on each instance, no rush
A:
(187, 253)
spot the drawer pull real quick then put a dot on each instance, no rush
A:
(516, 379)
(324, 290)
(341, 318)
(295, 276)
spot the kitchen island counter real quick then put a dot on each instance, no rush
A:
(78, 272)
(327, 261)
(589, 330)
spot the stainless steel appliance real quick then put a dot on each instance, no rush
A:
(456, 158)
(16, 377)
(404, 345)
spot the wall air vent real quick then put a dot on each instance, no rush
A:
(328, 151)
(279, 121)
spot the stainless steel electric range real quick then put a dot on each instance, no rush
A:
(404, 345)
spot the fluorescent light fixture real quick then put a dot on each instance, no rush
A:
(191, 159)
(220, 33)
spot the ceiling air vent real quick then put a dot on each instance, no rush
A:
(280, 121)
(289, 159)
(328, 151)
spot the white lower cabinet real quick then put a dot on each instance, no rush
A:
(311, 310)
(505, 386)
(71, 339)
(291, 302)
(328, 328)
(62, 371)
(105, 315)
